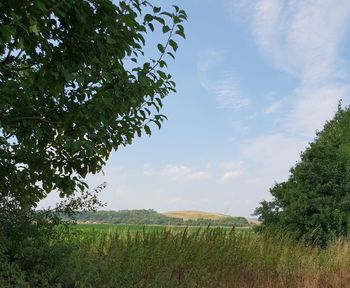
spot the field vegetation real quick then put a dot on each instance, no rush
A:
(133, 229)
(194, 215)
(159, 257)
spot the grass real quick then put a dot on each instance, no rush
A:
(194, 215)
(133, 256)
(132, 229)
(212, 257)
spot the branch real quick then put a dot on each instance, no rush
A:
(171, 32)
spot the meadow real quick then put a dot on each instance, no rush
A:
(133, 229)
(210, 257)
(154, 256)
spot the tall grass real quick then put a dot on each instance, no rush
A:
(212, 257)
(203, 258)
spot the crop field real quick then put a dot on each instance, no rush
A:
(194, 215)
(132, 229)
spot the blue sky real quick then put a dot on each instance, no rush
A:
(255, 80)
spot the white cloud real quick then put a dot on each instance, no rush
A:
(274, 106)
(231, 165)
(227, 176)
(224, 87)
(232, 169)
(147, 169)
(239, 127)
(271, 156)
(312, 106)
(178, 172)
(206, 61)
(228, 93)
(302, 38)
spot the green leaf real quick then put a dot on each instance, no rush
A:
(166, 29)
(151, 26)
(34, 29)
(161, 74)
(156, 9)
(110, 40)
(147, 130)
(180, 31)
(148, 18)
(171, 55)
(161, 48)
(173, 44)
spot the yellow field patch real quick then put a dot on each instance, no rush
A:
(186, 215)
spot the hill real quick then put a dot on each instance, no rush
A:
(152, 217)
(194, 215)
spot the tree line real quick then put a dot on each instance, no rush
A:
(152, 217)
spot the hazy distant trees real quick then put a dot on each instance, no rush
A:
(145, 217)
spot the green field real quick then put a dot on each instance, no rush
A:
(132, 229)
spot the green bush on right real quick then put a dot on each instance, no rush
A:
(313, 205)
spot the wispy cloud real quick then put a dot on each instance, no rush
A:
(239, 127)
(229, 175)
(222, 172)
(178, 172)
(231, 165)
(302, 38)
(228, 93)
(224, 86)
(231, 170)
(311, 106)
(274, 106)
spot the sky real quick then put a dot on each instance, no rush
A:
(255, 81)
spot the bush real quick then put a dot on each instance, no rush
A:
(314, 204)
(32, 247)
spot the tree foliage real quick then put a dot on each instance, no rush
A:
(314, 204)
(75, 84)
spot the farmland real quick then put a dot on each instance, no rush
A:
(194, 215)
(102, 255)
(132, 229)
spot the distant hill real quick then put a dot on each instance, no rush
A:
(194, 215)
(152, 217)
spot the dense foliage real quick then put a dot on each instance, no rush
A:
(314, 204)
(147, 217)
(75, 83)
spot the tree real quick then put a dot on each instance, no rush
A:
(314, 204)
(75, 84)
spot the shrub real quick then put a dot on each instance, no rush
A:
(314, 204)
